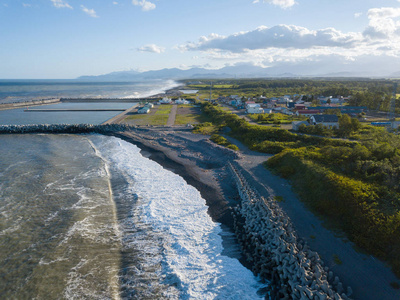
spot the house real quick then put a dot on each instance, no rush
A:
(296, 124)
(307, 112)
(329, 121)
(181, 101)
(144, 110)
(165, 100)
(267, 111)
(254, 109)
(299, 106)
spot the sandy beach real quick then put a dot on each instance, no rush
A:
(203, 164)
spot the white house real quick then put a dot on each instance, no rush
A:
(165, 100)
(182, 101)
(330, 121)
(254, 110)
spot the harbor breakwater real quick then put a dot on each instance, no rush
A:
(28, 103)
(64, 128)
(269, 242)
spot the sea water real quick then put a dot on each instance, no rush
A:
(27, 90)
(88, 217)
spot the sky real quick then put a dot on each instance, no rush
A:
(65, 39)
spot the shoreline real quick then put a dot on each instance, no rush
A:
(203, 164)
(368, 277)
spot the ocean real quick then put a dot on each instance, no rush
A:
(28, 90)
(12, 91)
(89, 217)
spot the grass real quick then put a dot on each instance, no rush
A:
(159, 118)
(164, 110)
(149, 119)
(189, 118)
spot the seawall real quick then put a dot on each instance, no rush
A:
(269, 242)
(14, 105)
(64, 128)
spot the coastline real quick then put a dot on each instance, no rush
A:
(181, 151)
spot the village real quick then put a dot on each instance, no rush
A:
(306, 110)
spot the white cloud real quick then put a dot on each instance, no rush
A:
(151, 48)
(357, 15)
(146, 5)
(280, 36)
(61, 4)
(90, 12)
(26, 5)
(115, 2)
(280, 3)
(383, 23)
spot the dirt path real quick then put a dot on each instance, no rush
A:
(368, 277)
(172, 115)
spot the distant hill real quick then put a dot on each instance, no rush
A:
(238, 71)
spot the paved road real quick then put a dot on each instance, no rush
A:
(118, 118)
(172, 115)
(368, 277)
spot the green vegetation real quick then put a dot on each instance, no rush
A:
(206, 128)
(275, 118)
(188, 119)
(374, 94)
(353, 184)
(220, 140)
(159, 118)
(164, 109)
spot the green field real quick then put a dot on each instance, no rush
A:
(158, 118)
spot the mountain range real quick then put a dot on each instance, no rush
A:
(238, 71)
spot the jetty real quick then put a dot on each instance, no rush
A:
(269, 241)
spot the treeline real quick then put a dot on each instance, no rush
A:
(354, 184)
(312, 87)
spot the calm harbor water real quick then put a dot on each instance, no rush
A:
(21, 117)
(88, 217)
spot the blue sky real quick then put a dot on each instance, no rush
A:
(70, 38)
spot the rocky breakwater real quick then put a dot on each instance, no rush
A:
(269, 242)
(64, 128)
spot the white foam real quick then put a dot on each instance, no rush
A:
(192, 244)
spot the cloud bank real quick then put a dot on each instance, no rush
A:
(280, 36)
